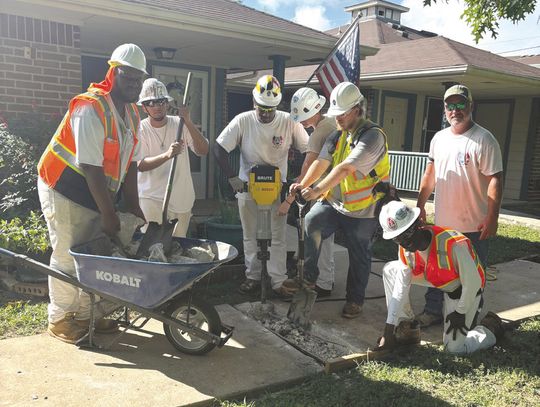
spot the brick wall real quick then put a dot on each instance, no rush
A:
(40, 65)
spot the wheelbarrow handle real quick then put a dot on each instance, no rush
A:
(301, 202)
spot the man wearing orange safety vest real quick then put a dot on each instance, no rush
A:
(434, 257)
(358, 156)
(92, 154)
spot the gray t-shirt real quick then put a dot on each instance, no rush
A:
(365, 155)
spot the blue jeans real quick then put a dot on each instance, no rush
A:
(321, 222)
(434, 296)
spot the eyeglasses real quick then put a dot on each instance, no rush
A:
(156, 102)
(455, 106)
(266, 109)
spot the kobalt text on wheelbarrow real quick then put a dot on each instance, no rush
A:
(161, 291)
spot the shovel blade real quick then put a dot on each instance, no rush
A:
(156, 233)
(301, 306)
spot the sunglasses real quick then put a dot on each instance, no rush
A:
(266, 109)
(455, 106)
(157, 102)
(405, 236)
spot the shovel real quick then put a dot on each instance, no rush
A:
(304, 299)
(156, 233)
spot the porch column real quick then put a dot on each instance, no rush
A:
(278, 69)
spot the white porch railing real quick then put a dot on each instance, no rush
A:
(406, 169)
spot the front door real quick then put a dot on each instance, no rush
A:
(432, 121)
(175, 80)
(395, 122)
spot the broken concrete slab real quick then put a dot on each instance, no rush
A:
(144, 369)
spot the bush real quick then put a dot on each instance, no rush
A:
(22, 142)
(27, 237)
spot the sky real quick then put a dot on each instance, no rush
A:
(442, 18)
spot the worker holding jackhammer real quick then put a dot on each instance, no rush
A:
(439, 257)
(91, 157)
(358, 156)
(264, 136)
(306, 108)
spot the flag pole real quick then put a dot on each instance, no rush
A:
(344, 35)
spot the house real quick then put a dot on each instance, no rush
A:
(50, 51)
(404, 83)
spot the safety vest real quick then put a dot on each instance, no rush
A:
(440, 270)
(58, 167)
(357, 194)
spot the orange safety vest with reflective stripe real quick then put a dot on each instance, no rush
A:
(440, 270)
(357, 194)
(58, 167)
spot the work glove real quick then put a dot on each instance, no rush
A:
(237, 184)
(457, 323)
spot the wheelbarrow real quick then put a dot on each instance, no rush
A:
(161, 291)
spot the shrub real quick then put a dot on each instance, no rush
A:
(27, 237)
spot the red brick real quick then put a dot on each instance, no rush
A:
(7, 67)
(56, 102)
(53, 57)
(19, 92)
(48, 95)
(48, 64)
(46, 32)
(55, 72)
(73, 67)
(58, 88)
(77, 44)
(61, 34)
(27, 85)
(4, 25)
(24, 100)
(8, 99)
(50, 110)
(16, 43)
(75, 59)
(75, 90)
(18, 52)
(18, 75)
(6, 82)
(46, 47)
(6, 50)
(69, 34)
(12, 26)
(69, 81)
(18, 60)
(43, 78)
(20, 108)
(29, 69)
(75, 74)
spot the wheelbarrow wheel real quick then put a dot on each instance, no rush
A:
(202, 315)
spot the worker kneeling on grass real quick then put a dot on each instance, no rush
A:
(433, 256)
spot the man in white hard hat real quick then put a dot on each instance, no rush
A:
(91, 157)
(158, 146)
(306, 108)
(465, 169)
(433, 256)
(358, 155)
(264, 136)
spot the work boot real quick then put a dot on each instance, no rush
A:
(67, 329)
(426, 319)
(101, 326)
(408, 333)
(494, 323)
(249, 286)
(293, 285)
(351, 310)
(321, 292)
(283, 293)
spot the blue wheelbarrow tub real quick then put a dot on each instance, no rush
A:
(143, 283)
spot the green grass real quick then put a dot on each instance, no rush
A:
(508, 375)
(22, 318)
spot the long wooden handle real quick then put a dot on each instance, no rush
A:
(173, 165)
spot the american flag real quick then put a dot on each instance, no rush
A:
(343, 63)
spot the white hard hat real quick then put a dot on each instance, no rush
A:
(343, 98)
(152, 89)
(129, 55)
(267, 91)
(396, 217)
(305, 103)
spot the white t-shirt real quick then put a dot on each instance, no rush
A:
(462, 164)
(90, 137)
(153, 183)
(263, 143)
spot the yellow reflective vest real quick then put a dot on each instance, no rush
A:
(357, 193)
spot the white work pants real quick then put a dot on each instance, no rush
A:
(397, 279)
(69, 224)
(153, 212)
(277, 265)
(326, 264)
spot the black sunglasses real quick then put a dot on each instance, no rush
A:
(156, 102)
